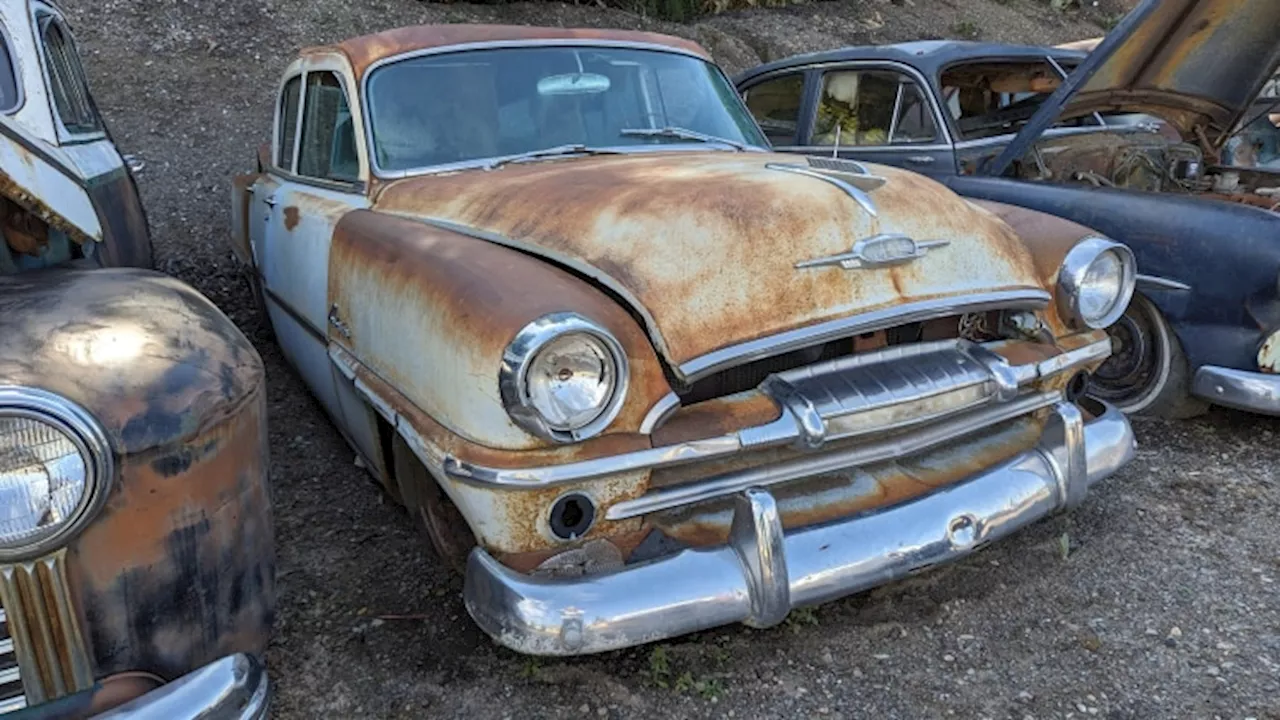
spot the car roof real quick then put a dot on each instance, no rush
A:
(366, 50)
(928, 56)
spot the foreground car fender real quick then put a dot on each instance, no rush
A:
(173, 568)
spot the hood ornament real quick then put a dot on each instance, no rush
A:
(850, 176)
(876, 251)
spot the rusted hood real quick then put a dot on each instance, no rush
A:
(1196, 63)
(705, 245)
(150, 357)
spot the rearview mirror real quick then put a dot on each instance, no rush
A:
(573, 84)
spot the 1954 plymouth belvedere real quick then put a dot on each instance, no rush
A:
(1139, 139)
(636, 373)
(136, 554)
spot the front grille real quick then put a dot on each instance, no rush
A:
(11, 695)
(45, 648)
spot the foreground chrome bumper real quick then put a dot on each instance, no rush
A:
(764, 572)
(1254, 391)
(232, 688)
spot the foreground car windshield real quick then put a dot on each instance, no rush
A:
(480, 104)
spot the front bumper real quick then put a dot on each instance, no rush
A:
(233, 687)
(1253, 391)
(764, 572)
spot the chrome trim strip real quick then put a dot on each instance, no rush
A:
(809, 465)
(749, 579)
(789, 340)
(1153, 282)
(12, 704)
(659, 413)
(10, 675)
(901, 147)
(789, 427)
(84, 431)
(858, 196)
(1240, 389)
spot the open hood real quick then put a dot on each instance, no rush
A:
(1197, 64)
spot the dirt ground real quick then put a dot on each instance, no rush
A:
(1157, 599)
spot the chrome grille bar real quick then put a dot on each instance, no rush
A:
(11, 695)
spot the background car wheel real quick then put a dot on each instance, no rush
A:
(1147, 372)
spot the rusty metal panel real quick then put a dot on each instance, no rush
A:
(706, 244)
(368, 49)
(53, 659)
(431, 312)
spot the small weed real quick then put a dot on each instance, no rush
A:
(719, 657)
(685, 683)
(966, 29)
(1109, 22)
(1063, 5)
(659, 666)
(800, 617)
(709, 689)
(531, 668)
(1064, 545)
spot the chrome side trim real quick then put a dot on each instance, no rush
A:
(1240, 389)
(764, 476)
(764, 567)
(789, 340)
(1152, 282)
(659, 413)
(860, 197)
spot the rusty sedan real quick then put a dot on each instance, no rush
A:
(636, 375)
(136, 554)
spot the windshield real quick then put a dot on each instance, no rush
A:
(480, 104)
(998, 98)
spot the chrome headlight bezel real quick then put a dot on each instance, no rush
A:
(1071, 278)
(519, 356)
(84, 431)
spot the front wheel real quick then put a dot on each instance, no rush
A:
(1147, 372)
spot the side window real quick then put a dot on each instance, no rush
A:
(66, 79)
(872, 107)
(775, 104)
(328, 135)
(10, 96)
(289, 122)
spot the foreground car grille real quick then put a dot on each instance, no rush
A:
(45, 654)
(11, 695)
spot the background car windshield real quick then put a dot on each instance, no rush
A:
(998, 98)
(478, 104)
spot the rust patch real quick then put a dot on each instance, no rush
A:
(37, 206)
(431, 312)
(833, 496)
(717, 417)
(365, 50)
(291, 217)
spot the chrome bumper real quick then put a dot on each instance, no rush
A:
(764, 572)
(232, 688)
(1254, 391)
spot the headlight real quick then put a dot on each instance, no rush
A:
(54, 469)
(563, 377)
(1095, 283)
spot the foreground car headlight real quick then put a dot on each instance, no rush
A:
(55, 465)
(1095, 283)
(563, 377)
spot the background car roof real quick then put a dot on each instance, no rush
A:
(366, 50)
(929, 56)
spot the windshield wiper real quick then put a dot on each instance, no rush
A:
(557, 151)
(680, 133)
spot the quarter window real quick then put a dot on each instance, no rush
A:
(289, 101)
(10, 96)
(328, 135)
(872, 107)
(70, 92)
(775, 104)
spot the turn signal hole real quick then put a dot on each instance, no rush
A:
(571, 516)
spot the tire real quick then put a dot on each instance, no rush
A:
(1147, 373)
(445, 529)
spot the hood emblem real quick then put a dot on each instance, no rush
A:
(850, 176)
(876, 251)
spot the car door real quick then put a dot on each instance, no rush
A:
(316, 179)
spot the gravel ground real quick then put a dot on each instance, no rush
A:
(1156, 599)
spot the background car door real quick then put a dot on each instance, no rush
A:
(315, 183)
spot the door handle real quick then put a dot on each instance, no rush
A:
(270, 200)
(920, 159)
